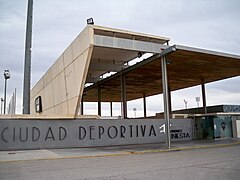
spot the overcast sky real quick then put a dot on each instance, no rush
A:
(208, 24)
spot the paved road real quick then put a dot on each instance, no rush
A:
(211, 163)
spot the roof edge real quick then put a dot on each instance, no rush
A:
(129, 32)
(205, 51)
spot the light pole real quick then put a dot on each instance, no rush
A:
(27, 61)
(135, 110)
(1, 104)
(198, 100)
(185, 101)
(6, 76)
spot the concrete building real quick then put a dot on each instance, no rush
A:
(80, 74)
(199, 110)
(100, 50)
(95, 51)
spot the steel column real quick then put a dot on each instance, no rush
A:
(166, 100)
(111, 109)
(123, 96)
(82, 106)
(170, 102)
(144, 105)
(99, 100)
(204, 97)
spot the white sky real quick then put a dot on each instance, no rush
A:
(208, 24)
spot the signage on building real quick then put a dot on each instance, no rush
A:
(35, 134)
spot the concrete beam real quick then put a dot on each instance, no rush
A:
(107, 67)
(92, 79)
(128, 44)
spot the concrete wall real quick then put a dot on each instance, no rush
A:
(236, 128)
(62, 86)
(38, 134)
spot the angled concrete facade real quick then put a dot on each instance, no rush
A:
(95, 51)
(61, 87)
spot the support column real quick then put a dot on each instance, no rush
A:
(170, 102)
(123, 96)
(111, 109)
(99, 100)
(166, 100)
(82, 106)
(204, 97)
(144, 105)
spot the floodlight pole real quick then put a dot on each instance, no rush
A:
(27, 64)
(4, 102)
(5, 92)
(6, 77)
(1, 104)
(135, 112)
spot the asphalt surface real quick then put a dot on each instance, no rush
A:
(26, 155)
(189, 160)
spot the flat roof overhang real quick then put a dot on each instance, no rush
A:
(114, 48)
(187, 67)
(95, 52)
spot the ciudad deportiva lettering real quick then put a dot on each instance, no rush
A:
(113, 132)
(34, 134)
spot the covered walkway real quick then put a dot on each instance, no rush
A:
(185, 67)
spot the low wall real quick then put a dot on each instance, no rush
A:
(39, 134)
(236, 128)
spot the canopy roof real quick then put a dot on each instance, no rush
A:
(94, 52)
(114, 47)
(98, 50)
(187, 67)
